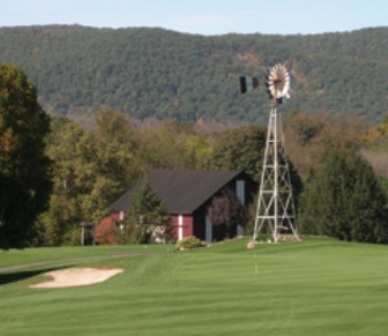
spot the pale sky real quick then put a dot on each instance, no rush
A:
(205, 17)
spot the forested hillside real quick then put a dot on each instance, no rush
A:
(156, 73)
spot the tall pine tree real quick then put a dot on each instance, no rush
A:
(146, 215)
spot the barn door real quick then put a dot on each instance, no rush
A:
(240, 193)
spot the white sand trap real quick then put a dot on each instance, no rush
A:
(77, 277)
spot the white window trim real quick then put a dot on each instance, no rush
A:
(180, 227)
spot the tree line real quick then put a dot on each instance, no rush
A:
(55, 174)
(154, 73)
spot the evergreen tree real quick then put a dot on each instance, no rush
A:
(146, 218)
(345, 200)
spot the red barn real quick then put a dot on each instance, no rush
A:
(187, 195)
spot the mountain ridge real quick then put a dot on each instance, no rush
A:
(152, 72)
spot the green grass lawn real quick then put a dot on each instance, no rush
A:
(318, 287)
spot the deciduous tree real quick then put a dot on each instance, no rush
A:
(25, 181)
(242, 149)
(226, 212)
(91, 169)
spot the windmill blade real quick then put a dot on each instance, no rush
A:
(248, 83)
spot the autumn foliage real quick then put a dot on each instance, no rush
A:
(225, 213)
(107, 231)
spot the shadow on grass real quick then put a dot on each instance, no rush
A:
(7, 278)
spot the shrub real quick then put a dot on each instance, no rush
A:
(190, 243)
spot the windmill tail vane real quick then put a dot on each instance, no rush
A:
(248, 83)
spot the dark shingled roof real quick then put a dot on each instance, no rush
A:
(183, 191)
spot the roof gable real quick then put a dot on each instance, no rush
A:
(182, 191)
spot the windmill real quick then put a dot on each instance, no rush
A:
(275, 205)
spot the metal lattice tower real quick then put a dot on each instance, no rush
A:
(275, 206)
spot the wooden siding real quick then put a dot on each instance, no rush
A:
(187, 225)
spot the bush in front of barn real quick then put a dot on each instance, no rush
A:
(189, 243)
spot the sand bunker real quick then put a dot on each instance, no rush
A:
(77, 277)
